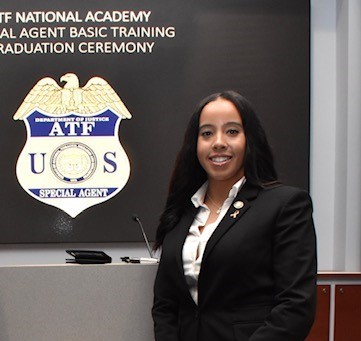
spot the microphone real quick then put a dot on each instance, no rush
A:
(136, 218)
(141, 259)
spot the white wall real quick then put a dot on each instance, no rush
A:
(352, 223)
(335, 143)
(335, 127)
(323, 125)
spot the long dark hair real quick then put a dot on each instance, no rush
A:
(188, 175)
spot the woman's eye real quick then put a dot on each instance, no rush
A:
(232, 131)
(206, 133)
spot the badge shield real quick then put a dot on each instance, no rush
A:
(72, 160)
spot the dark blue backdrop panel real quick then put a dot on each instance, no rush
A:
(257, 47)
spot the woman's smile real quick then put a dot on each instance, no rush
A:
(219, 159)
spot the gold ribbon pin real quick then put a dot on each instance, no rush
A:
(235, 214)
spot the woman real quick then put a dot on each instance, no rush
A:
(238, 248)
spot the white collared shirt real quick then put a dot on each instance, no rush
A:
(196, 241)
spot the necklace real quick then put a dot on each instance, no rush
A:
(215, 204)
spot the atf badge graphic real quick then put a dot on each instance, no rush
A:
(72, 158)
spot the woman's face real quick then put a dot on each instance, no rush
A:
(221, 141)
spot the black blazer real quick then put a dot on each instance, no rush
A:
(258, 275)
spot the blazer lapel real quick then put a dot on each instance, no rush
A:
(234, 213)
(184, 225)
(183, 228)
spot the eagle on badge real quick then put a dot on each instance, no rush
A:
(95, 96)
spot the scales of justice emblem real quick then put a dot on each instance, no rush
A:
(72, 158)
